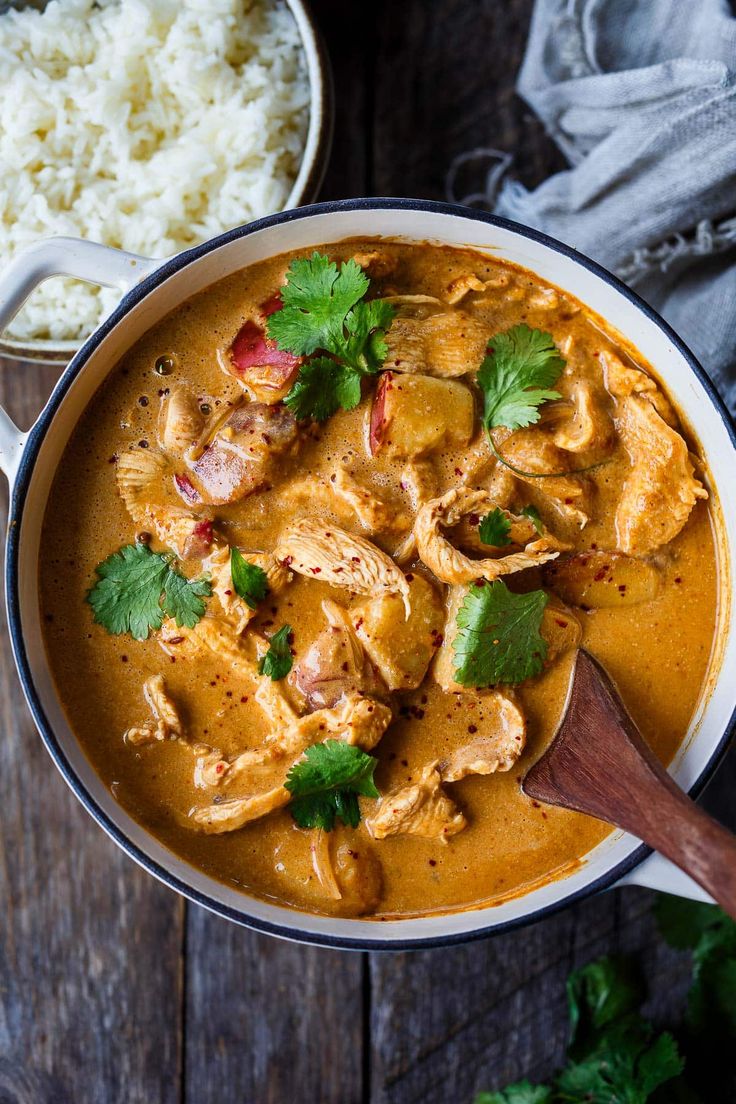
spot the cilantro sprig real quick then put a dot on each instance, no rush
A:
(324, 312)
(249, 580)
(278, 660)
(137, 588)
(498, 636)
(325, 785)
(614, 1056)
(494, 529)
(516, 377)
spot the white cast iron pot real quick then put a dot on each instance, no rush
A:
(151, 291)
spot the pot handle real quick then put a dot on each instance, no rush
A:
(83, 260)
(659, 873)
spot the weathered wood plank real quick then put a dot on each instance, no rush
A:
(89, 945)
(444, 84)
(269, 1021)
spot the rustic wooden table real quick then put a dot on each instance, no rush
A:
(112, 989)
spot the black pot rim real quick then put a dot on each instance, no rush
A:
(22, 482)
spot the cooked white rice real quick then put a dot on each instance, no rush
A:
(145, 124)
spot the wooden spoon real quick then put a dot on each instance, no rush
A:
(599, 764)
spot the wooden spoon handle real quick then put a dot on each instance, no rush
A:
(612, 774)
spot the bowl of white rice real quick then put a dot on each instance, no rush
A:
(151, 126)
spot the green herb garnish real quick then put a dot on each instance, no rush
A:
(516, 377)
(325, 785)
(494, 529)
(614, 1056)
(535, 518)
(277, 662)
(250, 580)
(498, 638)
(324, 311)
(137, 588)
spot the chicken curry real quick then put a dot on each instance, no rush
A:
(325, 543)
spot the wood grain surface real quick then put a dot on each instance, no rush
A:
(111, 988)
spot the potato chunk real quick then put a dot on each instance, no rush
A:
(603, 580)
(415, 415)
(401, 648)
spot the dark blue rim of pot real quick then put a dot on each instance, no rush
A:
(18, 498)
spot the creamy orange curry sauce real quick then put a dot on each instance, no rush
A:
(366, 528)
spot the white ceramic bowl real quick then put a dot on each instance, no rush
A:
(30, 461)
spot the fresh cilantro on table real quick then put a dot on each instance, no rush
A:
(614, 1056)
(535, 518)
(325, 784)
(494, 528)
(498, 638)
(325, 312)
(523, 1092)
(250, 580)
(711, 936)
(277, 662)
(137, 588)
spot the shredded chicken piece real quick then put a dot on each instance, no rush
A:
(236, 609)
(347, 874)
(139, 476)
(543, 299)
(533, 450)
(228, 816)
(166, 723)
(375, 263)
(661, 489)
(211, 634)
(317, 549)
(459, 288)
(421, 808)
(319, 847)
(419, 480)
(496, 751)
(623, 380)
(581, 423)
(443, 667)
(452, 566)
(374, 513)
(357, 720)
(428, 339)
(181, 422)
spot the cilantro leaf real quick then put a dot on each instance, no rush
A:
(321, 388)
(625, 1067)
(277, 662)
(324, 311)
(597, 994)
(325, 784)
(517, 375)
(535, 518)
(136, 588)
(316, 299)
(498, 638)
(494, 529)
(249, 580)
(712, 936)
(365, 348)
(523, 1092)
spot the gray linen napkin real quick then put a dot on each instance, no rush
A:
(640, 95)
